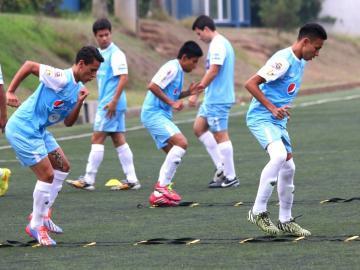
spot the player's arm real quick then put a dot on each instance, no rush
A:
(25, 70)
(72, 117)
(3, 113)
(205, 81)
(252, 85)
(194, 89)
(157, 91)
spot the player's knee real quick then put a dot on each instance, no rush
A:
(182, 143)
(277, 152)
(65, 167)
(290, 166)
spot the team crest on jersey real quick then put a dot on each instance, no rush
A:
(277, 65)
(48, 72)
(291, 89)
(58, 104)
(58, 74)
(53, 118)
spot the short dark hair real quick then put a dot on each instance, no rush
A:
(312, 31)
(88, 54)
(202, 21)
(190, 49)
(101, 24)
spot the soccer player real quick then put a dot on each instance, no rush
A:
(58, 97)
(211, 123)
(165, 90)
(274, 88)
(4, 172)
(110, 116)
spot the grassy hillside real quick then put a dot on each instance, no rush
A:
(55, 42)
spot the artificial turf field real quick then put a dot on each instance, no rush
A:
(324, 130)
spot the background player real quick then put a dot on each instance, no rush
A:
(110, 116)
(165, 90)
(211, 123)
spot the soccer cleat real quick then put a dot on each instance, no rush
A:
(230, 182)
(41, 235)
(263, 221)
(49, 224)
(168, 192)
(160, 200)
(126, 185)
(291, 227)
(4, 181)
(81, 184)
(224, 183)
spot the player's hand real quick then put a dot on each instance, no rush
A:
(3, 121)
(111, 109)
(178, 105)
(12, 100)
(193, 100)
(83, 93)
(196, 88)
(282, 112)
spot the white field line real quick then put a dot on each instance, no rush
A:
(301, 105)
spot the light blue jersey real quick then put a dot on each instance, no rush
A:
(283, 73)
(156, 115)
(169, 78)
(53, 100)
(108, 76)
(221, 89)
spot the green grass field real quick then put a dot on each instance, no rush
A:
(324, 130)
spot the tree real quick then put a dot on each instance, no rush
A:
(280, 14)
(99, 8)
(309, 10)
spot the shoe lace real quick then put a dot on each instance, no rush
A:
(170, 187)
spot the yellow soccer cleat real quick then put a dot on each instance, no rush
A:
(4, 181)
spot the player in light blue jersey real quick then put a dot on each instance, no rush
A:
(112, 77)
(58, 97)
(274, 88)
(4, 172)
(163, 96)
(211, 123)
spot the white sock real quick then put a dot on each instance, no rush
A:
(41, 197)
(57, 183)
(226, 150)
(126, 160)
(269, 175)
(286, 190)
(212, 148)
(96, 156)
(172, 161)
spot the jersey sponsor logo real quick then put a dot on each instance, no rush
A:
(53, 118)
(58, 74)
(58, 104)
(291, 89)
(176, 91)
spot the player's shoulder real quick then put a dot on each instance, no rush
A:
(116, 50)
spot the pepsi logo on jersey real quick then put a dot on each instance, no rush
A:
(291, 88)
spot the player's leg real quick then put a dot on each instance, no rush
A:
(33, 153)
(41, 199)
(126, 159)
(201, 130)
(217, 120)
(269, 136)
(96, 156)
(286, 188)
